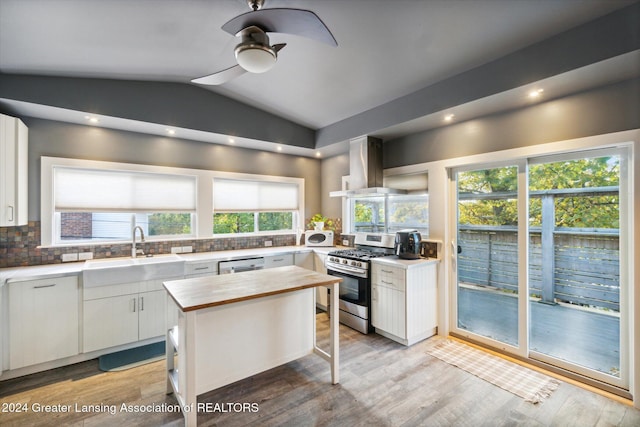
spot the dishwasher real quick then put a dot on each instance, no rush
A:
(240, 265)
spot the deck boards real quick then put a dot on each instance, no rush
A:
(382, 384)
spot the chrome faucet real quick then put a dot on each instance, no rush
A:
(134, 250)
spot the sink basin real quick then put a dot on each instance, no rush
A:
(103, 272)
(120, 262)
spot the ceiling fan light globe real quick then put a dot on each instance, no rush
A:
(255, 58)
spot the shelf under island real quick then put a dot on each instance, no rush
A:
(236, 325)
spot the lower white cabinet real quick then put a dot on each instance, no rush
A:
(200, 269)
(43, 320)
(404, 300)
(322, 300)
(124, 313)
(304, 259)
(273, 261)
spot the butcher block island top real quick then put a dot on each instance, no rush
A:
(211, 291)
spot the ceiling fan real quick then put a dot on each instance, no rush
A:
(254, 53)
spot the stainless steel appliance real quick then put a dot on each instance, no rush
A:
(407, 244)
(240, 265)
(354, 267)
(318, 238)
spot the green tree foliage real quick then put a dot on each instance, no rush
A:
(226, 223)
(163, 224)
(500, 186)
(493, 211)
(273, 221)
(244, 222)
(600, 211)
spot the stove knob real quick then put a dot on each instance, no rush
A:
(344, 261)
(354, 263)
(359, 264)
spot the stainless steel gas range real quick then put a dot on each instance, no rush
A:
(354, 267)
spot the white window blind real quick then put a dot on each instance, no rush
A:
(238, 195)
(94, 190)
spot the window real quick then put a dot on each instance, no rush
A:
(103, 205)
(390, 213)
(87, 201)
(249, 206)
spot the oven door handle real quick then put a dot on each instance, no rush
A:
(346, 270)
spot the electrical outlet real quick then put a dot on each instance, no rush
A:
(268, 243)
(345, 242)
(176, 250)
(82, 256)
(69, 257)
(187, 249)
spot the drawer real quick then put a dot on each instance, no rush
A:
(201, 268)
(385, 275)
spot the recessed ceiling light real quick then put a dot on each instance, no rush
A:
(279, 148)
(449, 117)
(318, 154)
(171, 131)
(535, 93)
(231, 141)
(92, 119)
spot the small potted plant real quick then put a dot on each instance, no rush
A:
(317, 222)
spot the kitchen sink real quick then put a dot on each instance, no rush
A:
(101, 272)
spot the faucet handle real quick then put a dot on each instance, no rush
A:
(139, 251)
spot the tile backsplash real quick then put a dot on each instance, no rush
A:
(19, 246)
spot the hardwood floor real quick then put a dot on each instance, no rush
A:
(382, 384)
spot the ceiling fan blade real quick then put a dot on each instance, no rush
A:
(299, 22)
(221, 76)
(278, 47)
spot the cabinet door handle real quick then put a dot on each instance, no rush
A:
(386, 283)
(44, 286)
(201, 268)
(141, 303)
(134, 305)
(278, 259)
(387, 271)
(11, 213)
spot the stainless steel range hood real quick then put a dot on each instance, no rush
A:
(365, 169)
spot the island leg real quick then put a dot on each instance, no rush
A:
(188, 365)
(334, 335)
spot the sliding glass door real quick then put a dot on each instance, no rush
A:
(487, 266)
(539, 259)
(576, 293)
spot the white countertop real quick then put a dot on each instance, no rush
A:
(393, 260)
(15, 274)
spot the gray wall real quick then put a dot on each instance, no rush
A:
(603, 110)
(333, 169)
(57, 139)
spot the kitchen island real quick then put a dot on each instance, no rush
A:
(236, 325)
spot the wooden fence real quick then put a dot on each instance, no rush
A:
(584, 264)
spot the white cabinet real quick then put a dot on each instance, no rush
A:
(43, 320)
(404, 300)
(200, 268)
(322, 299)
(273, 261)
(13, 171)
(304, 259)
(124, 313)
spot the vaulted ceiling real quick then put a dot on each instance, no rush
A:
(392, 56)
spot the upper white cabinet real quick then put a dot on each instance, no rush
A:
(13, 171)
